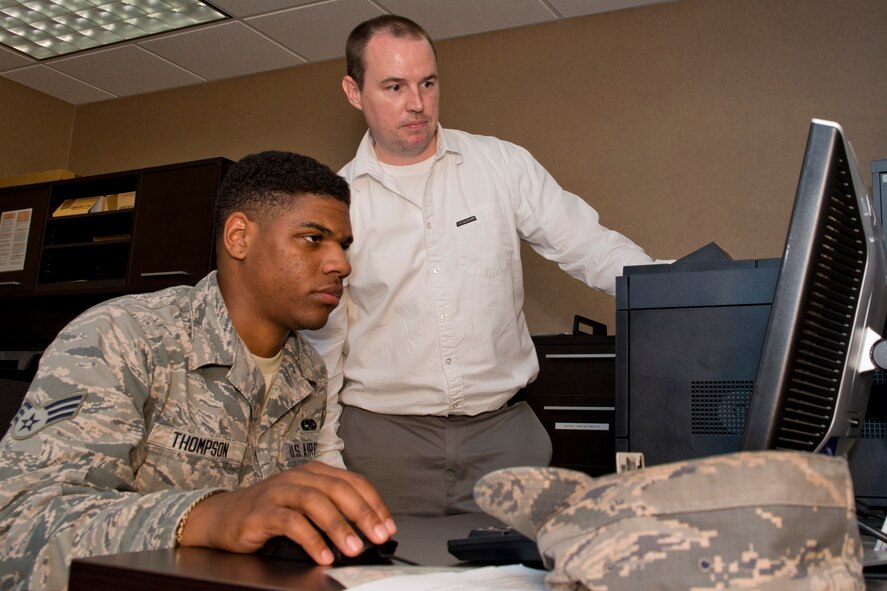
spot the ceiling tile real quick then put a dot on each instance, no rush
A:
(452, 18)
(10, 59)
(316, 32)
(125, 70)
(250, 7)
(61, 86)
(222, 51)
(264, 35)
(568, 8)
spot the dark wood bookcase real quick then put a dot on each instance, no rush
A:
(76, 261)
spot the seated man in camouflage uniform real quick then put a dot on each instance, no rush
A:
(146, 406)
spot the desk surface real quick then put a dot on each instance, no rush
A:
(423, 541)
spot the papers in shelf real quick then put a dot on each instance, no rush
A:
(115, 202)
(96, 204)
(76, 206)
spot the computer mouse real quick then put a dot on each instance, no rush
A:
(283, 547)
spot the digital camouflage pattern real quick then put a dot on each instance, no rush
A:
(769, 521)
(140, 406)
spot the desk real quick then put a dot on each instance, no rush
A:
(201, 569)
(421, 540)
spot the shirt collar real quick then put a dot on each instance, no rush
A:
(366, 162)
(214, 341)
(213, 338)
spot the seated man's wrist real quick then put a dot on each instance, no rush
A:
(183, 520)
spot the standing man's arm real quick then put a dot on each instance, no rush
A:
(564, 228)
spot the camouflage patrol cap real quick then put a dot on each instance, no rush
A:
(750, 520)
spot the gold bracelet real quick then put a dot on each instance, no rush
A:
(181, 527)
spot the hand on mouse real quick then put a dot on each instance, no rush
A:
(244, 519)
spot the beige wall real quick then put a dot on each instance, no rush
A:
(682, 122)
(35, 130)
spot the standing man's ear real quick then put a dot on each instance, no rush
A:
(352, 91)
(236, 235)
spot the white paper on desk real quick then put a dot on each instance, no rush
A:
(879, 545)
(513, 577)
(354, 576)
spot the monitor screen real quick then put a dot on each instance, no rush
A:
(828, 310)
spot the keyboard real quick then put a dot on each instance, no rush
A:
(496, 545)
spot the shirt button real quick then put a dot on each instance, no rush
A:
(428, 225)
(450, 362)
(436, 270)
(443, 315)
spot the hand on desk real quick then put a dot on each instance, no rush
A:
(289, 504)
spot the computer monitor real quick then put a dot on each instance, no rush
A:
(828, 310)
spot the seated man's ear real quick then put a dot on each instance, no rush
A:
(236, 235)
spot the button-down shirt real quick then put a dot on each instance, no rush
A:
(140, 406)
(432, 319)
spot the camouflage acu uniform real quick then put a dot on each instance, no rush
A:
(140, 406)
(769, 521)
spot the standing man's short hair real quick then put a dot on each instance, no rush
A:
(259, 184)
(387, 24)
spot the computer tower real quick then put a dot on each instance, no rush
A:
(868, 462)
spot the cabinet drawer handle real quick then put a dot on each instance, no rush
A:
(166, 274)
(10, 283)
(580, 355)
(578, 408)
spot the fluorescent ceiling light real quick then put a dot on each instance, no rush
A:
(49, 28)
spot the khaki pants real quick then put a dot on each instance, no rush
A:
(427, 465)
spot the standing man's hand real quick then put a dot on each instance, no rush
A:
(243, 520)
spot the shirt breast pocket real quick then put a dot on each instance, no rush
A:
(484, 243)
(179, 458)
(165, 468)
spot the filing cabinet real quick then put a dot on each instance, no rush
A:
(574, 398)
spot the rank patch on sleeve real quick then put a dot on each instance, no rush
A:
(32, 419)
